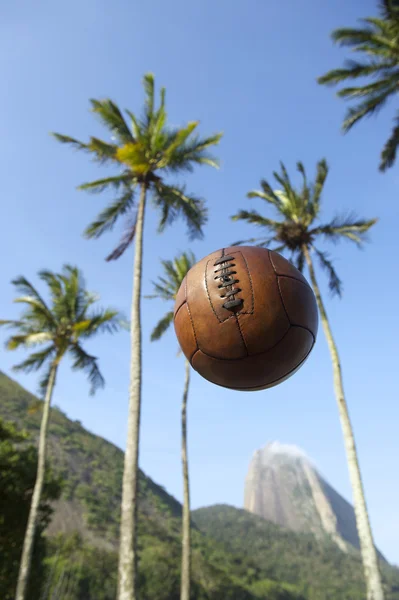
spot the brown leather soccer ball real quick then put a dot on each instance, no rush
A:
(245, 318)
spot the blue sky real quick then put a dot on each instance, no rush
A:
(248, 69)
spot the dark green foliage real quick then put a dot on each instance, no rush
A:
(318, 569)
(297, 228)
(377, 43)
(17, 476)
(147, 150)
(75, 570)
(167, 286)
(62, 324)
(239, 557)
(92, 475)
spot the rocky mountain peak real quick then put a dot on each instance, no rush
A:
(284, 487)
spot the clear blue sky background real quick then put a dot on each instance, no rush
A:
(248, 69)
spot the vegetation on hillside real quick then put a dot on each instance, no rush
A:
(59, 326)
(84, 558)
(321, 571)
(18, 459)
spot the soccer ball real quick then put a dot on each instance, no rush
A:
(245, 318)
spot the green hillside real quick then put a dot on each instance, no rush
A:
(236, 555)
(319, 570)
(82, 543)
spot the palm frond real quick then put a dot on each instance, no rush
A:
(334, 283)
(102, 152)
(53, 283)
(349, 227)
(174, 203)
(249, 241)
(44, 380)
(177, 140)
(87, 363)
(389, 10)
(11, 323)
(182, 264)
(108, 217)
(279, 248)
(31, 296)
(193, 151)
(36, 360)
(30, 339)
(388, 155)
(111, 116)
(299, 261)
(252, 216)
(108, 321)
(321, 176)
(367, 108)
(126, 239)
(383, 85)
(162, 326)
(285, 183)
(149, 89)
(352, 36)
(353, 70)
(137, 127)
(163, 289)
(100, 185)
(305, 187)
(65, 139)
(267, 194)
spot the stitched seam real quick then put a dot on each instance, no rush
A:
(259, 387)
(257, 353)
(263, 351)
(182, 304)
(279, 290)
(207, 293)
(288, 276)
(242, 335)
(192, 325)
(251, 312)
(282, 300)
(295, 279)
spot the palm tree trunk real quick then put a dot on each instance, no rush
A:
(367, 547)
(186, 544)
(27, 550)
(127, 569)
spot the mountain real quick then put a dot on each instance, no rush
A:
(284, 487)
(318, 568)
(82, 539)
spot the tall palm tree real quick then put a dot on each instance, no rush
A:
(377, 41)
(166, 288)
(146, 151)
(62, 325)
(297, 231)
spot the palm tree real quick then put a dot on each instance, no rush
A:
(62, 325)
(296, 231)
(167, 288)
(377, 40)
(144, 151)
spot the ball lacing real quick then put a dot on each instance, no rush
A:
(227, 280)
